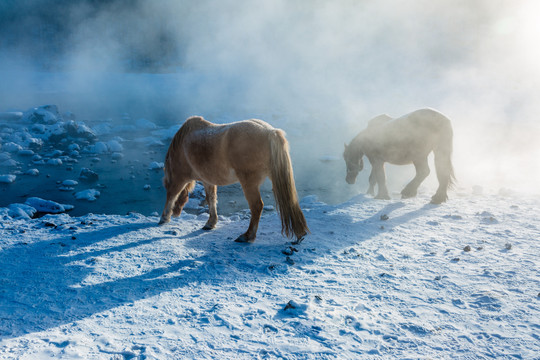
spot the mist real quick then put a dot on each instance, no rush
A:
(318, 69)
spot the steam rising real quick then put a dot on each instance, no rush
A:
(325, 66)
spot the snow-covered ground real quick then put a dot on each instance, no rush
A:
(374, 279)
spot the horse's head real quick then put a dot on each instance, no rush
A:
(354, 162)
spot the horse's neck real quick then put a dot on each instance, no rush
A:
(357, 144)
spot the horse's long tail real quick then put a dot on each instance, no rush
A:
(443, 161)
(293, 221)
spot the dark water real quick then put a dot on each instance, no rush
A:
(122, 183)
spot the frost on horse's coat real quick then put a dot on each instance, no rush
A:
(247, 152)
(405, 140)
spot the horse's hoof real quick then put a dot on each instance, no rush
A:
(382, 197)
(243, 239)
(208, 227)
(162, 221)
(436, 199)
(298, 241)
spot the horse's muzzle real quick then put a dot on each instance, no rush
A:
(350, 179)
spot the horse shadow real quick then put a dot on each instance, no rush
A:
(43, 283)
(385, 215)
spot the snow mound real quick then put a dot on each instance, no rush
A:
(145, 124)
(12, 147)
(21, 211)
(70, 182)
(295, 309)
(88, 195)
(47, 206)
(7, 179)
(32, 172)
(10, 163)
(154, 165)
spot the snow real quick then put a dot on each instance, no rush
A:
(32, 172)
(11, 147)
(154, 165)
(145, 124)
(70, 182)
(54, 162)
(9, 163)
(21, 211)
(428, 282)
(88, 195)
(7, 179)
(47, 206)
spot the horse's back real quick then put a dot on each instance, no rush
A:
(378, 121)
(217, 153)
(248, 145)
(427, 118)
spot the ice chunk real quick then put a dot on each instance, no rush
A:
(22, 211)
(7, 179)
(89, 195)
(26, 152)
(46, 114)
(11, 147)
(73, 147)
(154, 165)
(9, 163)
(54, 162)
(115, 146)
(11, 115)
(47, 206)
(70, 182)
(145, 124)
(32, 172)
(98, 148)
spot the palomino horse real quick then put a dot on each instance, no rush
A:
(247, 152)
(405, 140)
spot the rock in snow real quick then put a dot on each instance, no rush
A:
(88, 175)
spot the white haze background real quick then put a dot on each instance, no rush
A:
(327, 65)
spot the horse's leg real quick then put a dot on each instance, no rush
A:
(211, 200)
(372, 182)
(173, 191)
(380, 177)
(422, 171)
(180, 202)
(443, 167)
(253, 197)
